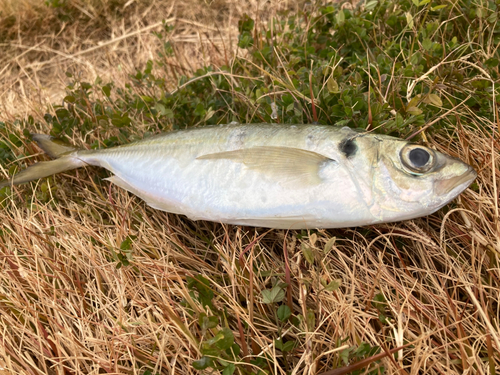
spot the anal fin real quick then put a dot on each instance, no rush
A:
(285, 222)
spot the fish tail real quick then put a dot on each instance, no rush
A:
(65, 159)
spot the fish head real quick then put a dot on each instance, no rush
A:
(413, 180)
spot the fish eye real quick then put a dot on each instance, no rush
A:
(417, 159)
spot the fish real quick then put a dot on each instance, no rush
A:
(279, 176)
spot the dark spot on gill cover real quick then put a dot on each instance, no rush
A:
(348, 147)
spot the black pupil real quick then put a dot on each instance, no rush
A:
(419, 157)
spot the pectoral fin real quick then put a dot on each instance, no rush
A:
(286, 163)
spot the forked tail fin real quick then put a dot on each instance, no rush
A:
(64, 154)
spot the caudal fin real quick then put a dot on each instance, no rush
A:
(66, 160)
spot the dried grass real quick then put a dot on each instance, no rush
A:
(109, 39)
(66, 309)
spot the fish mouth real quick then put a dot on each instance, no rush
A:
(445, 186)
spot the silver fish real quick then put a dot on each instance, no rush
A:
(276, 176)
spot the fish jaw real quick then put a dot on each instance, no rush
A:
(453, 186)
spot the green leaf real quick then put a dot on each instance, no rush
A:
(106, 90)
(167, 112)
(222, 340)
(313, 238)
(370, 5)
(409, 20)
(379, 298)
(348, 111)
(340, 17)
(16, 141)
(344, 354)
(308, 253)
(120, 120)
(127, 243)
(288, 346)
(337, 110)
(365, 349)
(362, 349)
(207, 322)
(434, 100)
(329, 245)
(438, 7)
(332, 86)
(427, 44)
(311, 320)
(229, 369)
(414, 111)
(245, 40)
(382, 318)
(492, 62)
(160, 108)
(245, 24)
(492, 18)
(333, 285)
(284, 346)
(234, 350)
(208, 350)
(379, 302)
(278, 343)
(202, 363)
(284, 312)
(274, 295)
(414, 101)
(199, 110)
(205, 294)
(415, 58)
(123, 258)
(227, 339)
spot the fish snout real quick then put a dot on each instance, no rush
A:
(446, 185)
